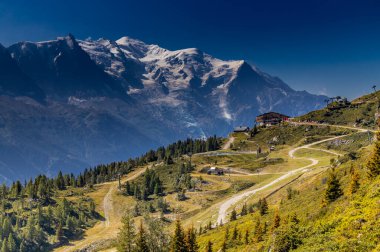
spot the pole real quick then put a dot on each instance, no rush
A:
(119, 180)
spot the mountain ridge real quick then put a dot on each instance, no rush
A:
(103, 100)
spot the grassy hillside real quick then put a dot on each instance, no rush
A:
(360, 113)
(348, 224)
(298, 198)
(307, 189)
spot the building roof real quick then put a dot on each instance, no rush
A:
(241, 128)
(271, 113)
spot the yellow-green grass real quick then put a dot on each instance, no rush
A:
(203, 204)
(361, 114)
(211, 213)
(105, 195)
(350, 143)
(214, 190)
(340, 216)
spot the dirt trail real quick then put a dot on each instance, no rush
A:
(227, 145)
(223, 210)
(109, 227)
(336, 126)
(107, 206)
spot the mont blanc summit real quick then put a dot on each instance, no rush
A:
(68, 103)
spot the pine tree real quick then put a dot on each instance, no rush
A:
(141, 243)
(333, 190)
(254, 131)
(178, 241)
(251, 209)
(233, 215)
(40, 238)
(23, 247)
(263, 206)
(234, 233)
(224, 246)
(191, 240)
(71, 225)
(246, 237)
(60, 182)
(226, 234)
(244, 210)
(276, 220)
(258, 231)
(209, 246)
(354, 184)
(59, 233)
(4, 247)
(126, 235)
(12, 243)
(289, 236)
(373, 164)
(6, 227)
(30, 229)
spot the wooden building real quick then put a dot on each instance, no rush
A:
(271, 118)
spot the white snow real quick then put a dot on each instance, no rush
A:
(168, 74)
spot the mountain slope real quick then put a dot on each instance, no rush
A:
(62, 69)
(13, 81)
(231, 89)
(79, 103)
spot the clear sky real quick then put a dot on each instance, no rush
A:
(330, 47)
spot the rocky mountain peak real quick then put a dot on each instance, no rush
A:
(103, 100)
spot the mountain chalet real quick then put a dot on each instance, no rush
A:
(271, 118)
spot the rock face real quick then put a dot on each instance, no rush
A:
(69, 104)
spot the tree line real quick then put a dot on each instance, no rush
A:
(152, 237)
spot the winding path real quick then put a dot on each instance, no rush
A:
(107, 229)
(230, 141)
(223, 210)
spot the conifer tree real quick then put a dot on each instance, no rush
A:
(227, 233)
(12, 243)
(60, 182)
(354, 184)
(373, 164)
(23, 247)
(224, 246)
(233, 216)
(234, 233)
(6, 227)
(276, 220)
(263, 206)
(141, 243)
(178, 241)
(333, 190)
(246, 237)
(251, 209)
(254, 131)
(244, 210)
(209, 225)
(126, 235)
(4, 247)
(209, 246)
(288, 237)
(59, 233)
(191, 240)
(258, 231)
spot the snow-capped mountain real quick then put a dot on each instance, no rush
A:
(67, 103)
(165, 78)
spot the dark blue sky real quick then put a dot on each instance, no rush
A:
(330, 47)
